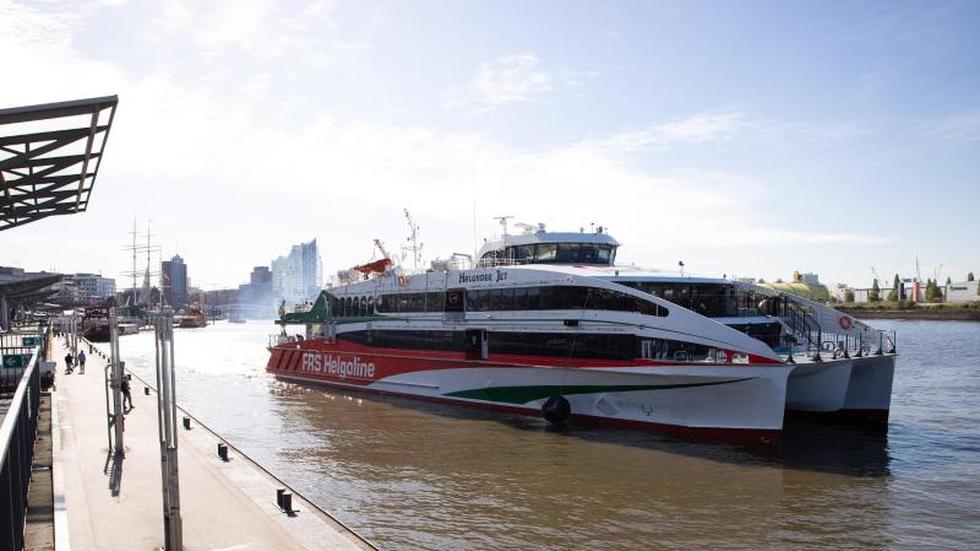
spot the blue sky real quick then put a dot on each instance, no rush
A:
(747, 138)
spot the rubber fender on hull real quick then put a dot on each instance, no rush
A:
(556, 409)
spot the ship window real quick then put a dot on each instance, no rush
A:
(411, 302)
(563, 253)
(768, 333)
(558, 345)
(604, 255)
(533, 298)
(520, 298)
(564, 297)
(506, 300)
(547, 300)
(435, 302)
(546, 252)
(708, 299)
(571, 298)
(482, 300)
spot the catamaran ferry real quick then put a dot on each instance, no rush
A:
(545, 323)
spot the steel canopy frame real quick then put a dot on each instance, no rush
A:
(51, 170)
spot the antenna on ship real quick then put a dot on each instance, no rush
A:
(503, 223)
(416, 247)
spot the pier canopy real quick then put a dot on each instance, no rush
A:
(49, 157)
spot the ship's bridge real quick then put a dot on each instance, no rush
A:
(542, 247)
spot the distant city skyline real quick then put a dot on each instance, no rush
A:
(749, 139)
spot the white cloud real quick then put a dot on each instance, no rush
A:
(721, 126)
(963, 127)
(697, 128)
(701, 127)
(513, 79)
(261, 30)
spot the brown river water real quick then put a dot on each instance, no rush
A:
(413, 475)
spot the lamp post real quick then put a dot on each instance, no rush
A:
(116, 416)
(167, 411)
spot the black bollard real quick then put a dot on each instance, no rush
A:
(146, 390)
(223, 452)
(187, 423)
(279, 493)
(287, 503)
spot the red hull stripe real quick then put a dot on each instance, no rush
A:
(398, 360)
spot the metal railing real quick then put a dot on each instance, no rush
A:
(16, 350)
(16, 454)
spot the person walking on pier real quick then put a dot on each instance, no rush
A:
(68, 363)
(127, 395)
(81, 362)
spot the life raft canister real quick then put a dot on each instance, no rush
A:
(845, 323)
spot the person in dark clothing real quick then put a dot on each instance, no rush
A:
(81, 362)
(127, 396)
(68, 363)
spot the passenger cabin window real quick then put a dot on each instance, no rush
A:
(483, 344)
(555, 297)
(714, 300)
(558, 298)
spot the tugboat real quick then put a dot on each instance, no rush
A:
(546, 324)
(192, 317)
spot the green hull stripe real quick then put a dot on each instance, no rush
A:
(525, 394)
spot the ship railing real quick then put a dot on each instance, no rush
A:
(876, 342)
(497, 262)
(17, 434)
(278, 339)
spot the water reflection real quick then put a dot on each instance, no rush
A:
(417, 475)
(836, 449)
(468, 471)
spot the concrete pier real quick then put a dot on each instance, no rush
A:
(102, 504)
